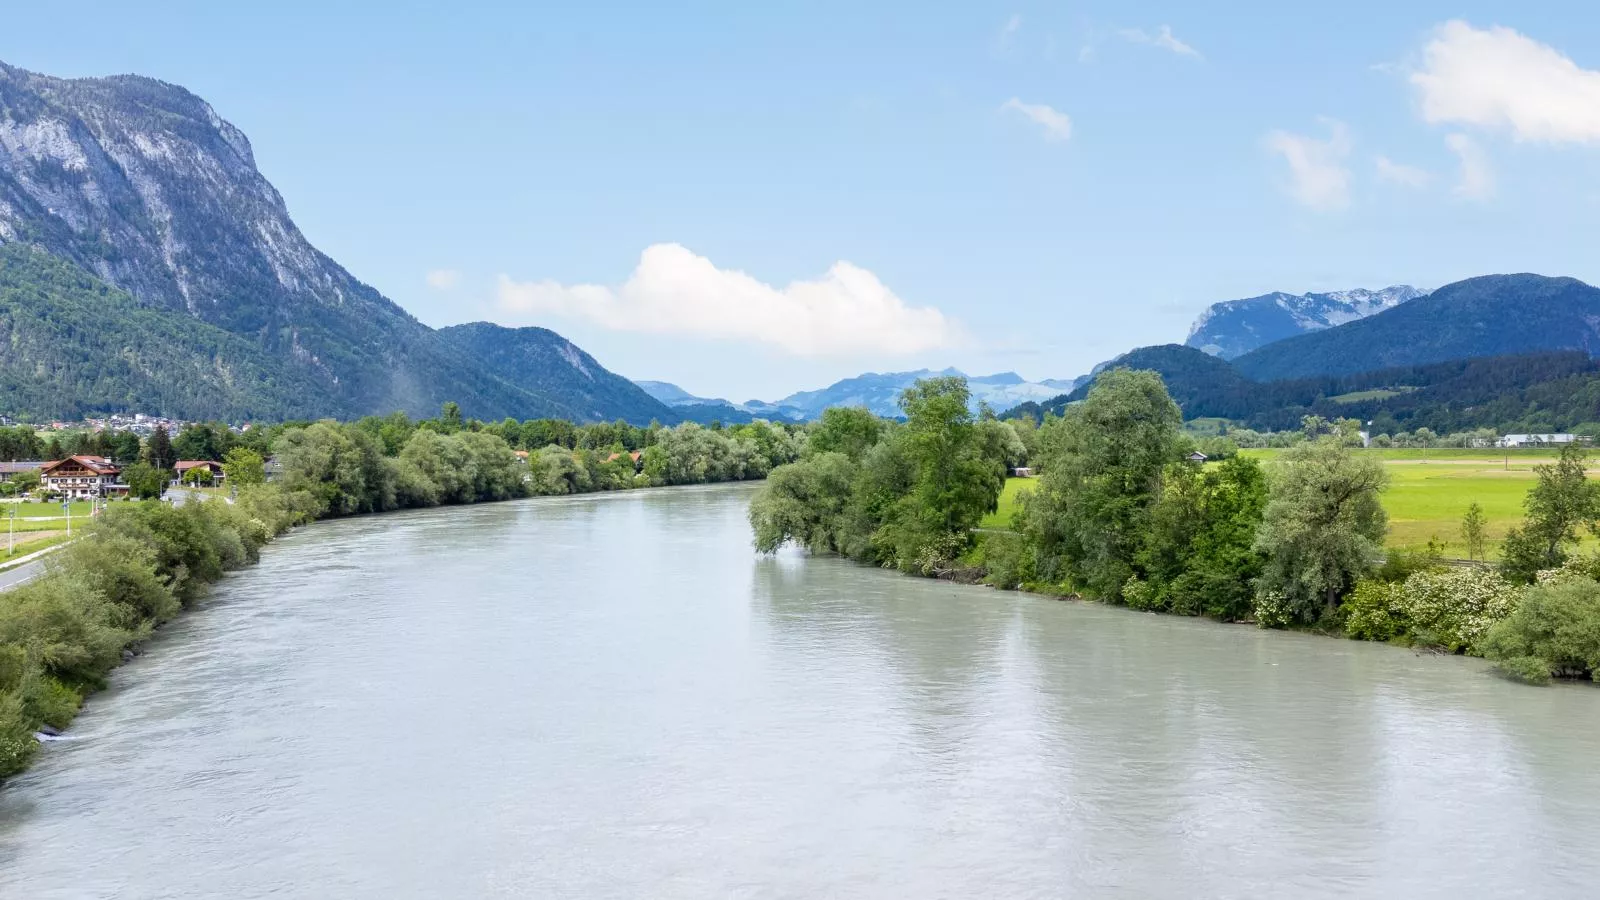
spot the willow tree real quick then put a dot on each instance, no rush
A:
(1323, 528)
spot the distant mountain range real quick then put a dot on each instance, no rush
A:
(878, 392)
(1492, 315)
(153, 202)
(1236, 327)
(1494, 351)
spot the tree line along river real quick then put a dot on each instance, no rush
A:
(614, 696)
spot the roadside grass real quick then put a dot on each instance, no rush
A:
(34, 543)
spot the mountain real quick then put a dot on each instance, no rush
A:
(1536, 392)
(1235, 327)
(672, 395)
(880, 392)
(1493, 315)
(71, 344)
(143, 186)
(567, 382)
(1193, 377)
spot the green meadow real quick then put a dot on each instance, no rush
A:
(1429, 491)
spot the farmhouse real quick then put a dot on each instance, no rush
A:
(81, 477)
(1197, 457)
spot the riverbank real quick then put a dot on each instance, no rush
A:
(139, 565)
(607, 695)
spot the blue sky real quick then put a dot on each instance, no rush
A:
(1034, 187)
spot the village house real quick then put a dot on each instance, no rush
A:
(184, 466)
(82, 477)
(634, 456)
(10, 470)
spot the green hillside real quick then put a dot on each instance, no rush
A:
(70, 344)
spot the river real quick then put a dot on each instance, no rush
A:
(613, 696)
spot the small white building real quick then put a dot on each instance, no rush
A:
(1536, 440)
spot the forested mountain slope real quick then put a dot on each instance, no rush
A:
(1493, 315)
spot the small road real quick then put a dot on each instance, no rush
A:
(22, 574)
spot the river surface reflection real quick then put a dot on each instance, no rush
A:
(613, 696)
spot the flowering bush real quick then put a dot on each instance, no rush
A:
(1453, 608)
(1273, 610)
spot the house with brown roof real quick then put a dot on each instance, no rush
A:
(82, 477)
(184, 466)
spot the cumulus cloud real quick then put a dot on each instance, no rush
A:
(1056, 124)
(1475, 180)
(442, 279)
(1402, 174)
(675, 291)
(1499, 79)
(1163, 39)
(1319, 173)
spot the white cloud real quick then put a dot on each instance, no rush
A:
(1476, 178)
(675, 291)
(1401, 174)
(1003, 38)
(1163, 38)
(1057, 125)
(1319, 175)
(1497, 78)
(442, 279)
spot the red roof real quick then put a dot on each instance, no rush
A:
(96, 464)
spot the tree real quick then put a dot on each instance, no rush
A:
(851, 430)
(124, 447)
(1563, 501)
(243, 466)
(450, 416)
(1472, 531)
(1198, 556)
(1103, 463)
(158, 449)
(199, 476)
(199, 442)
(27, 482)
(145, 482)
(1322, 529)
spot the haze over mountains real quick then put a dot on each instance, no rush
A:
(146, 265)
(879, 392)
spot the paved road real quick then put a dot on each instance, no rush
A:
(26, 572)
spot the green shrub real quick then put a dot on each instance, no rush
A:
(1376, 611)
(17, 745)
(1006, 558)
(1557, 626)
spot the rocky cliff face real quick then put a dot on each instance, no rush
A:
(1235, 327)
(142, 184)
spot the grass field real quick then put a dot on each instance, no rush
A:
(40, 517)
(1426, 497)
(1001, 518)
(30, 543)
